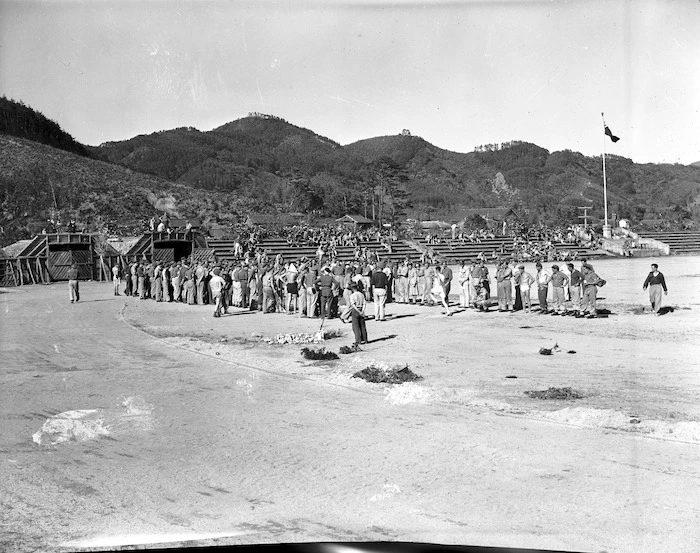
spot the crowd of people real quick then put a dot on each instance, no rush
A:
(327, 288)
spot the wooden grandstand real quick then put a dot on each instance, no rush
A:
(48, 257)
(680, 242)
(166, 246)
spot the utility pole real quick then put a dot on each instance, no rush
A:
(585, 215)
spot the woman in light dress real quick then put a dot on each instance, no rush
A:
(437, 292)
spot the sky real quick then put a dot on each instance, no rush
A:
(459, 74)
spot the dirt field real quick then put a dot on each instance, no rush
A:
(174, 426)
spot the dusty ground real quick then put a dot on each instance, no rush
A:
(197, 429)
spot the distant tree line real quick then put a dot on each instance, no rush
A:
(17, 119)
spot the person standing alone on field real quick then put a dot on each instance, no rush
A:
(656, 282)
(116, 278)
(73, 289)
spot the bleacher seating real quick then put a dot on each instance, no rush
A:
(453, 252)
(400, 249)
(680, 242)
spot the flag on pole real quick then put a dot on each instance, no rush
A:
(610, 134)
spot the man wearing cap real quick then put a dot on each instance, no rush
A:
(325, 285)
(543, 278)
(590, 292)
(559, 280)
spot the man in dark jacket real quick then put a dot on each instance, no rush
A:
(575, 284)
(656, 282)
(379, 289)
(324, 284)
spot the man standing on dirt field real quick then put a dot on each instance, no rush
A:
(575, 283)
(559, 281)
(379, 286)
(217, 288)
(73, 290)
(590, 291)
(656, 282)
(543, 279)
(447, 273)
(115, 279)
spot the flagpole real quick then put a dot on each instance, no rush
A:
(607, 231)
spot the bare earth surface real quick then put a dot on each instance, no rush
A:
(175, 426)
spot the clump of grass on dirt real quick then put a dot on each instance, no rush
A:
(346, 350)
(554, 393)
(378, 375)
(319, 354)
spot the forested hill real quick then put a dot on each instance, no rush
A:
(263, 163)
(19, 120)
(37, 181)
(226, 158)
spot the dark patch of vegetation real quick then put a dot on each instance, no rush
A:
(346, 350)
(319, 354)
(378, 375)
(554, 393)
(17, 119)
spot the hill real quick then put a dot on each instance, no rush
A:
(19, 120)
(38, 182)
(263, 163)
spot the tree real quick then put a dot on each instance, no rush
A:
(388, 179)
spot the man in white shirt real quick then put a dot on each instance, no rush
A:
(216, 283)
(115, 278)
